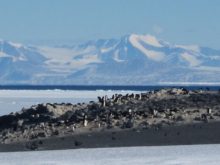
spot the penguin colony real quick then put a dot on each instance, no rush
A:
(151, 110)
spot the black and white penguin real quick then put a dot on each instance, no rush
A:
(204, 116)
(131, 96)
(118, 98)
(184, 90)
(139, 96)
(130, 114)
(153, 112)
(200, 90)
(209, 111)
(113, 97)
(85, 121)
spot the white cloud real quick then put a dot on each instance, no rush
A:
(157, 29)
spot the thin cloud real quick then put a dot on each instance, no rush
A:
(54, 42)
(157, 29)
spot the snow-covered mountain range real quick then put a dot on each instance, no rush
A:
(131, 60)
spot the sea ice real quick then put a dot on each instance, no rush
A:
(166, 155)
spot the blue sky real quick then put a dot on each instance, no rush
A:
(56, 22)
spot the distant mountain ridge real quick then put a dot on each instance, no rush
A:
(131, 60)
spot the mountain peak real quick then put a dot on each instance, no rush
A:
(2, 41)
(148, 39)
(133, 59)
(15, 44)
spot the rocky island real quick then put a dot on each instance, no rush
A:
(161, 117)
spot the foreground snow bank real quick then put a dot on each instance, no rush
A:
(167, 155)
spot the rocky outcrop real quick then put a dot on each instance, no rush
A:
(146, 110)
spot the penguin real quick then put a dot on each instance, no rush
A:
(106, 97)
(200, 90)
(184, 90)
(204, 116)
(116, 99)
(139, 97)
(130, 115)
(42, 125)
(154, 112)
(113, 97)
(134, 96)
(100, 100)
(99, 124)
(85, 121)
(209, 111)
(103, 101)
(110, 114)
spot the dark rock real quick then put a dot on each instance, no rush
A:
(34, 145)
(7, 120)
(180, 118)
(129, 124)
(94, 107)
(206, 120)
(198, 118)
(44, 118)
(15, 128)
(57, 132)
(78, 143)
(42, 134)
(5, 133)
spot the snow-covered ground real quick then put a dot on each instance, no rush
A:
(166, 155)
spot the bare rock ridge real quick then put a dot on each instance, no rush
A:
(151, 110)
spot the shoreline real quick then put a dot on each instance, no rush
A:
(189, 134)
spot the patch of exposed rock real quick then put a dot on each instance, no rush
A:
(153, 109)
